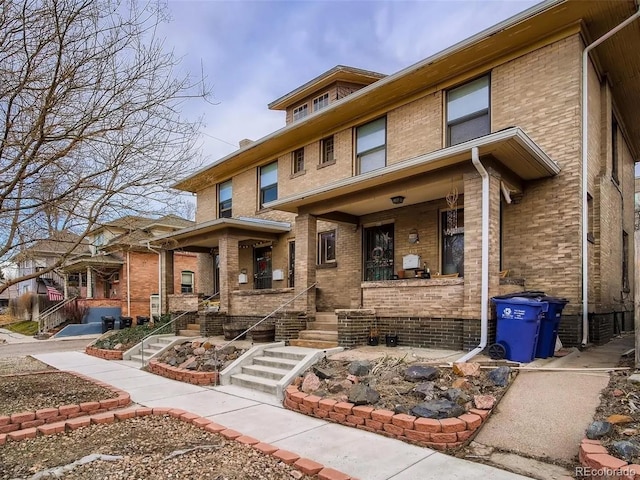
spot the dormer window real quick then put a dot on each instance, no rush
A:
(300, 112)
(320, 102)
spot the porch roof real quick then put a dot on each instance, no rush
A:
(102, 262)
(206, 234)
(423, 178)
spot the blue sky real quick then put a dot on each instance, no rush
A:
(252, 52)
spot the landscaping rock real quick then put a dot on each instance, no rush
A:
(500, 376)
(630, 432)
(199, 351)
(484, 402)
(635, 378)
(456, 395)
(360, 368)
(418, 373)
(311, 383)
(323, 373)
(426, 390)
(441, 408)
(618, 419)
(466, 369)
(462, 384)
(353, 379)
(362, 394)
(598, 430)
(617, 392)
(118, 346)
(626, 450)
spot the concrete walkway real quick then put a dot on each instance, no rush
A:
(355, 452)
(545, 414)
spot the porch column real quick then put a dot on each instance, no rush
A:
(166, 279)
(89, 283)
(306, 235)
(206, 271)
(66, 286)
(229, 269)
(473, 242)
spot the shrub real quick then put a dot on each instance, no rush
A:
(74, 312)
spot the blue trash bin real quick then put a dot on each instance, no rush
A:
(518, 327)
(549, 326)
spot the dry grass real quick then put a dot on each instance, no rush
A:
(7, 319)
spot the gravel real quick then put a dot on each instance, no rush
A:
(13, 365)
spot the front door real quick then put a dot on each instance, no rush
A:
(378, 253)
(262, 268)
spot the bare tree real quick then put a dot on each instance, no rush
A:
(90, 122)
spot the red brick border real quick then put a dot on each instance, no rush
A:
(438, 434)
(598, 464)
(305, 465)
(182, 374)
(104, 353)
(48, 416)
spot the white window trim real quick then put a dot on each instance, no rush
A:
(297, 112)
(322, 261)
(320, 100)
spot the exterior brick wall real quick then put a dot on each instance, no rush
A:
(211, 323)
(259, 302)
(186, 302)
(289, 324)
(354, 326)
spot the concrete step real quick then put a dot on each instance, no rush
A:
(189, 333)
(286, 352)
(263, 371)
(332, 327)
(319, 344)
(193, 326)
(255, 383)
(326, 317)
(324, 335)
(155, 346)
(275, 362)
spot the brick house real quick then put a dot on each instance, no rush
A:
(468, 164)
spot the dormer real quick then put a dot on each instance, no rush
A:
(323, 90)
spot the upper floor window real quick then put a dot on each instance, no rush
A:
(268, 183)
(300, 112)
(297, 158)
(614, 149)
(468, 111)
(186, 282)
(371, 145)
(225, 191)
(320, 102)
(326, 155)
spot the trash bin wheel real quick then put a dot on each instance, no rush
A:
(497, 351)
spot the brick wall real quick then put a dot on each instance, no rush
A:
(258, 302)
(211, 323)
(183, 302)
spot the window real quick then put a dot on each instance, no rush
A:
(297, 158)
(186, 282)
(625, 262)
(225, 191)
(320, 102)
(371, 150)
(327, 247)
(590, 215)
(452, 243)
(468, 111)
(300, 112)
(614, 149)
(268, 183)
(326, 146)
(378, 253)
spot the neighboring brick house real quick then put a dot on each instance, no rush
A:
(377, 177)
(120, 270)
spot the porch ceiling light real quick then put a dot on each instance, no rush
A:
(397, 200)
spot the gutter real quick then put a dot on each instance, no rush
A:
(585, 142)
(484, 289)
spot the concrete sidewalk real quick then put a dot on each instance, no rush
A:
(355, 452)
(545, 414)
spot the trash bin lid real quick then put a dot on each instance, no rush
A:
(522, 301)
(550, 299)
(525, 294)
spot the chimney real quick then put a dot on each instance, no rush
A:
(244, 142)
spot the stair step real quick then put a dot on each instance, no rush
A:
(319, 344)
(138, 358)
(155, 346)
(286, 352)
(255, 383)
(326, 317)
(275, 362)
(193, 326)
(323, 335)
(264, 371)
(189, 333)
(333, 327)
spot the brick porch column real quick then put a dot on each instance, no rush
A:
(473, 241)
(229, 269)
(166, 276)
(89, 283)
(206, 271)
(306, 235)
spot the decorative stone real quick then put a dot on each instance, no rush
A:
(362, 394)
(199, 351)
(626, 450)
(441, 408)
(462, 384)
(457, 395)
(466, 369)
(418, 373)
(630, 432)
(207, 345)
(617, 419)
(118, 346)
(353, 379)
(323, 373)
(400, 409)
(484, 402)
(635, 378)
(311, 383)
(598, 430)
(500, 376)
(336, 387)
(360, 368)
(617, 392)
(425, 389)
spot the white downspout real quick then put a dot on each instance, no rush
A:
(128, 284)
(484, 292)
(159, 279)
(585, 141)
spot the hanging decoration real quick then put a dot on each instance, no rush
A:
(452, 213)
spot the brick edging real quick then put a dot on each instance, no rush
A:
(305, 465)
(104, 353)
(182, 374)
(428, 432)
(25, 420)
(597, 462)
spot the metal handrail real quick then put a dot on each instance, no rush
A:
(51, 310)
(171, 322)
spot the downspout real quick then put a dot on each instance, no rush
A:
(159, 279)
(585, 141)
(128, 284)
(484, 289)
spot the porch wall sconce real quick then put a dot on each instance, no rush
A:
(397, 200)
